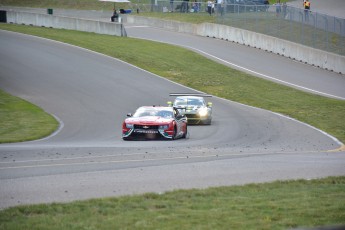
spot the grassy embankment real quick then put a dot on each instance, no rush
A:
(278, 205)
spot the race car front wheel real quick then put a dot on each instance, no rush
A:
(174, 134)
(185, 134)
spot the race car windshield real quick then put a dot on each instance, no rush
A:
(189, 101)
(153, 112)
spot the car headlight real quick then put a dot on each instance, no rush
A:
(163, 127)
(129, 126)
(203, 112)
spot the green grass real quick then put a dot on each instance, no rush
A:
(23, 121)
(277, 205)
(198, 72)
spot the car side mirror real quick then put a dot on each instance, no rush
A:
(129, 114)
(209, 104)
(170, 103)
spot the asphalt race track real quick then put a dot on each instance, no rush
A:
(86, 158)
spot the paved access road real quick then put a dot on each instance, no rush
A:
(86, 158)
(257, 62)
(254, 61)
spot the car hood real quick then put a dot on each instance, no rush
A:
(150, 120)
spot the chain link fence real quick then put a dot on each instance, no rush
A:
(309, 28)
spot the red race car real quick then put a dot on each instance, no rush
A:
(153, 122)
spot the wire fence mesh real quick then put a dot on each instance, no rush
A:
(309, 28)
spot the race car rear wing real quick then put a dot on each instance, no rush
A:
(190, 94)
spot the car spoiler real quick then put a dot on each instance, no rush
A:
(190, 94)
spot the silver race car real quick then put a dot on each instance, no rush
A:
(194, 107)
